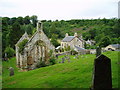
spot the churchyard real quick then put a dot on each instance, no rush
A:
(70, 71)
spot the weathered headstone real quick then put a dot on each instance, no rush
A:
(69, 60)
(102, 78)
(76, 57)
(11, 71)
(59, 62)
(6, 59)
(98, 51)
(57, 56)
(63, 60)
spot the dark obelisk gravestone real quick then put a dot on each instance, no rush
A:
(102, 78)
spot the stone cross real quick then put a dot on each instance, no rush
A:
(102, 77)
(11, 71)
(98, 51)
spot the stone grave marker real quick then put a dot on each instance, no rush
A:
(11, 69)
(98, 51)
(76, 57)
(68, 58)
(59, 62)
(63, 60)
(102, 77)
(57, 56)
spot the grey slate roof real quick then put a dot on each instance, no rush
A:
(116, 45)
(68, 38)
(79, 48)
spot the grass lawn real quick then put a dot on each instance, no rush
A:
(76, 74)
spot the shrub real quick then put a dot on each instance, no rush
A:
(9, 51)
(41, 64)
(52, 61)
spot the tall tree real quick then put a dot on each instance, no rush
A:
(12, 20)
(20, 20)
(34, 20)
(15, 34)
(27, 20)
(105, 41)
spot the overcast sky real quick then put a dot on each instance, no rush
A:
(60, 9)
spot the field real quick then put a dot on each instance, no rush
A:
(76, 74)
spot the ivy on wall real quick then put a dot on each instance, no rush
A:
(21, 45)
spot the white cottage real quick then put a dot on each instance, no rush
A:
(35, 50)
(72, 41)
(113, 47)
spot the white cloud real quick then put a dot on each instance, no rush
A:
(59, 9)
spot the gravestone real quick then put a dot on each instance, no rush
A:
(102, 78)
(59, 62)
(11, 71)
(6, 59)
(98, 51)
(68, 58)
(76, 57)
(57, 56)
(63, 60)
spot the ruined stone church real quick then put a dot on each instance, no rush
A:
(35, 50)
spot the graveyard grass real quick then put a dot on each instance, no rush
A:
(76, 74)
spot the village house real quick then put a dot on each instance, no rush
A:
(35, 50)
(113, 47)
(90, 42)
(72, 41)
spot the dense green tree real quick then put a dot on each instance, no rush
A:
(54, 40)
(15, 34)
(99, 37)
(92, 33)
(116, 29)
(27, 20)
(114, 40)
(9, 51)
(105, 41)
(34, 20)
(12, 20)
(20, 20)
(28, 28)
(5, 21)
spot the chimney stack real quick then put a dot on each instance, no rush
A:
(66, 35)
(75, 35)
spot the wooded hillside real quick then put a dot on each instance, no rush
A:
(103, 31)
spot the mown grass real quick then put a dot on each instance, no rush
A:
(76, 74)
